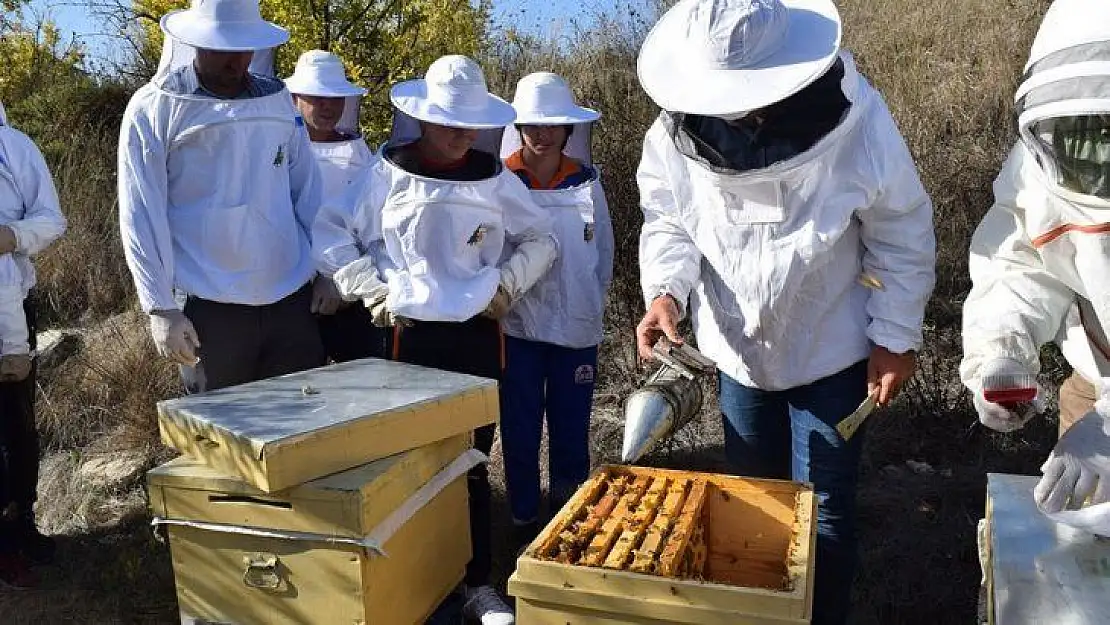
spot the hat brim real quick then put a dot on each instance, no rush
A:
(573, 115)
(675, 83)
(224, 37)
(411, 98)
(309, 87)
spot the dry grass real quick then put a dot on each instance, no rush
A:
(947, 71)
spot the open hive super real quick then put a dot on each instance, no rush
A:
(649, 545)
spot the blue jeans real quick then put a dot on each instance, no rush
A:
(791, 435)
(544, 379)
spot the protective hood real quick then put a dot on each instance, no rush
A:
(452, 93)
(406, 129)
(177, 55)
(1065, 89)
(320, 73)
(229, 25)
(545, 99)
(721, 57)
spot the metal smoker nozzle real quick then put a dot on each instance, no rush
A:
(670, 399)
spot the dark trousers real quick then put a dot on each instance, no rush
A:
(240, 343)
(792, 434)
(473, 347)
(350, 334)
(556, 384)
(19, 440)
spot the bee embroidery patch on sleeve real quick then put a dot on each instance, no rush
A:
(588, 233)
(279, 158)
(478, 236)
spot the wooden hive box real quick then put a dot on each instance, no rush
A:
(246, 557)
(652, 546)
(1039, 571)
(284, 431)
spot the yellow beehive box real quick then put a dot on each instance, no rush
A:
(639, 545)
(284, 431)
(383, 543)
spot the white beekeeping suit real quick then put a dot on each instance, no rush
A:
(341, 162)
(1039, 258)
(772, 254)
(566, 307)
(432, 248)
(217, 195)
(30, 212)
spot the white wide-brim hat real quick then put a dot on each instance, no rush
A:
(223, 25)
(723, 57)
(452, 93)
(545, 99)
(320, 73)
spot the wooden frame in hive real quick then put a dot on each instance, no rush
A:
(640, 545)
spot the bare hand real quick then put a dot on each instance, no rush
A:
(8, 242)
(887, 372)
(325, 296)
(661, 319)
(498, 306)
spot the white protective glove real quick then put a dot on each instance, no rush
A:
(360, 281)
(530, 260)
(1077, 472)
(1000, 373)
(174, 336)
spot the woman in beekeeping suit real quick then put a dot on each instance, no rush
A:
(329, 105)
(1039, 259)
(553, 332)
(425, 249)
(218, 190)
(775, 179)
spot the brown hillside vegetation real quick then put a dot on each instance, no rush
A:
(947, 70)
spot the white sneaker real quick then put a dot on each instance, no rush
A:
(483, 604)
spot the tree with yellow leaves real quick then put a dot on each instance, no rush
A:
(380, 41)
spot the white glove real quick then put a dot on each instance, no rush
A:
(1078, 467)
(530, 260)
(360, 280)
(174, 336)
(1000, 373)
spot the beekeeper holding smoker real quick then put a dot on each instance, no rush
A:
(1039, 263)
(774, 178)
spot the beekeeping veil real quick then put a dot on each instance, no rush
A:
(545, 99)
(320, 73)
(452, 93)
(223, 25)
(1063, 103)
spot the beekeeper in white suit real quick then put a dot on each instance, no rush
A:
(30, 220)
(773, 179)
(218, 189)
(441, 242)
(554, 331)
(329, 104)
(1039, 259)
